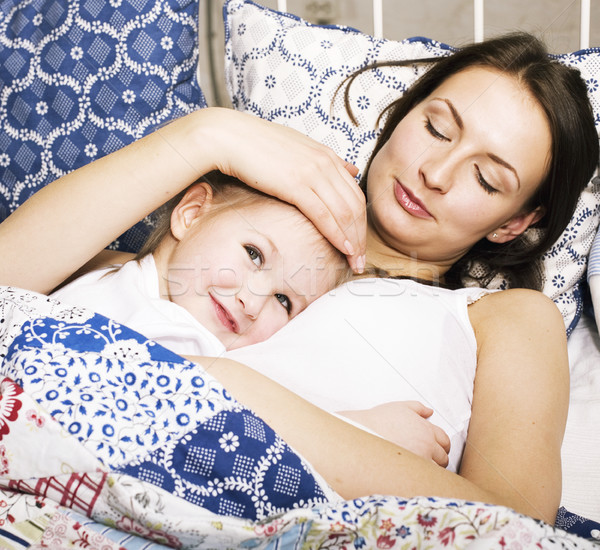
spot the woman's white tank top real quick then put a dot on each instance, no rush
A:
(372, 341)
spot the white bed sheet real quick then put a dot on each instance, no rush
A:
(581, 445)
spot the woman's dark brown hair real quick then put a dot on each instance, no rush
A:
(562, 94)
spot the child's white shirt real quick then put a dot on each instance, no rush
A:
(131, 296)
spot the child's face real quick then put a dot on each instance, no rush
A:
(245, 272)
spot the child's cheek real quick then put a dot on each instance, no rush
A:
(227, 277)
(271, 323)
(180, 280)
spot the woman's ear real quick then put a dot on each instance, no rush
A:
(196, 201)
(516, 226)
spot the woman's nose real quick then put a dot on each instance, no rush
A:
(438, 171)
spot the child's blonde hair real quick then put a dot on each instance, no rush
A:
(229, 192)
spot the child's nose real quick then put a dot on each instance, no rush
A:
(252, 301)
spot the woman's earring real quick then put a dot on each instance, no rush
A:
(495, 236)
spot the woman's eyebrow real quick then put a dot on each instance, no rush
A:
(502, 162)
(457, 118)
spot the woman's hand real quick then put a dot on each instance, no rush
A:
(93, 205)
(405, 424)
(293, 167)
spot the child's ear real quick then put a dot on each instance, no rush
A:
(516, 225)
(196, 201)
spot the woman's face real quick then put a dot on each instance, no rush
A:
(459, 167)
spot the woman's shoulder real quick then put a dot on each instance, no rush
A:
(519, 307)
(515, 297)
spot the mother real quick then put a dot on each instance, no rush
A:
(494, 139)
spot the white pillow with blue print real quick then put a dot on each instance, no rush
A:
(81, 79)
(287, 70)
(593, 276)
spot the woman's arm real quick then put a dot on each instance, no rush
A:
(520, 401)
(354, 462)
(512, 455)
(65, 224)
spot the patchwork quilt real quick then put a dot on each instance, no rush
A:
(110, 441)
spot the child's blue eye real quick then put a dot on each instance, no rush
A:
(255, 255)
(284, 301)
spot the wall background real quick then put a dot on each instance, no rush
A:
(450, 21)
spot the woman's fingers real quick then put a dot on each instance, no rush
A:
(442, 438)
(359, 222)
(293, 167)
(325, 191)
(419, 408)
(338, 213)
(440, 456)
(352, 170)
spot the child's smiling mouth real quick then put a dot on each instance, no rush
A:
(224, 316)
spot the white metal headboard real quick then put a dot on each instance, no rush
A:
(584, 27)
(585, 23)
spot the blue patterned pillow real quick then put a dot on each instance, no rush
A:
(284, 69)
(80, 79)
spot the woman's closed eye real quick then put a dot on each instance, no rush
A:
(285, 302)
(482, 181)
(255, 255)
(434, 131)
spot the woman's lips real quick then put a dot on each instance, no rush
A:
(224, 316)
(410, 203)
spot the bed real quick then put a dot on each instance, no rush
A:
(108, 440)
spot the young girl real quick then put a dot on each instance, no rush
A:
(227, 266)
